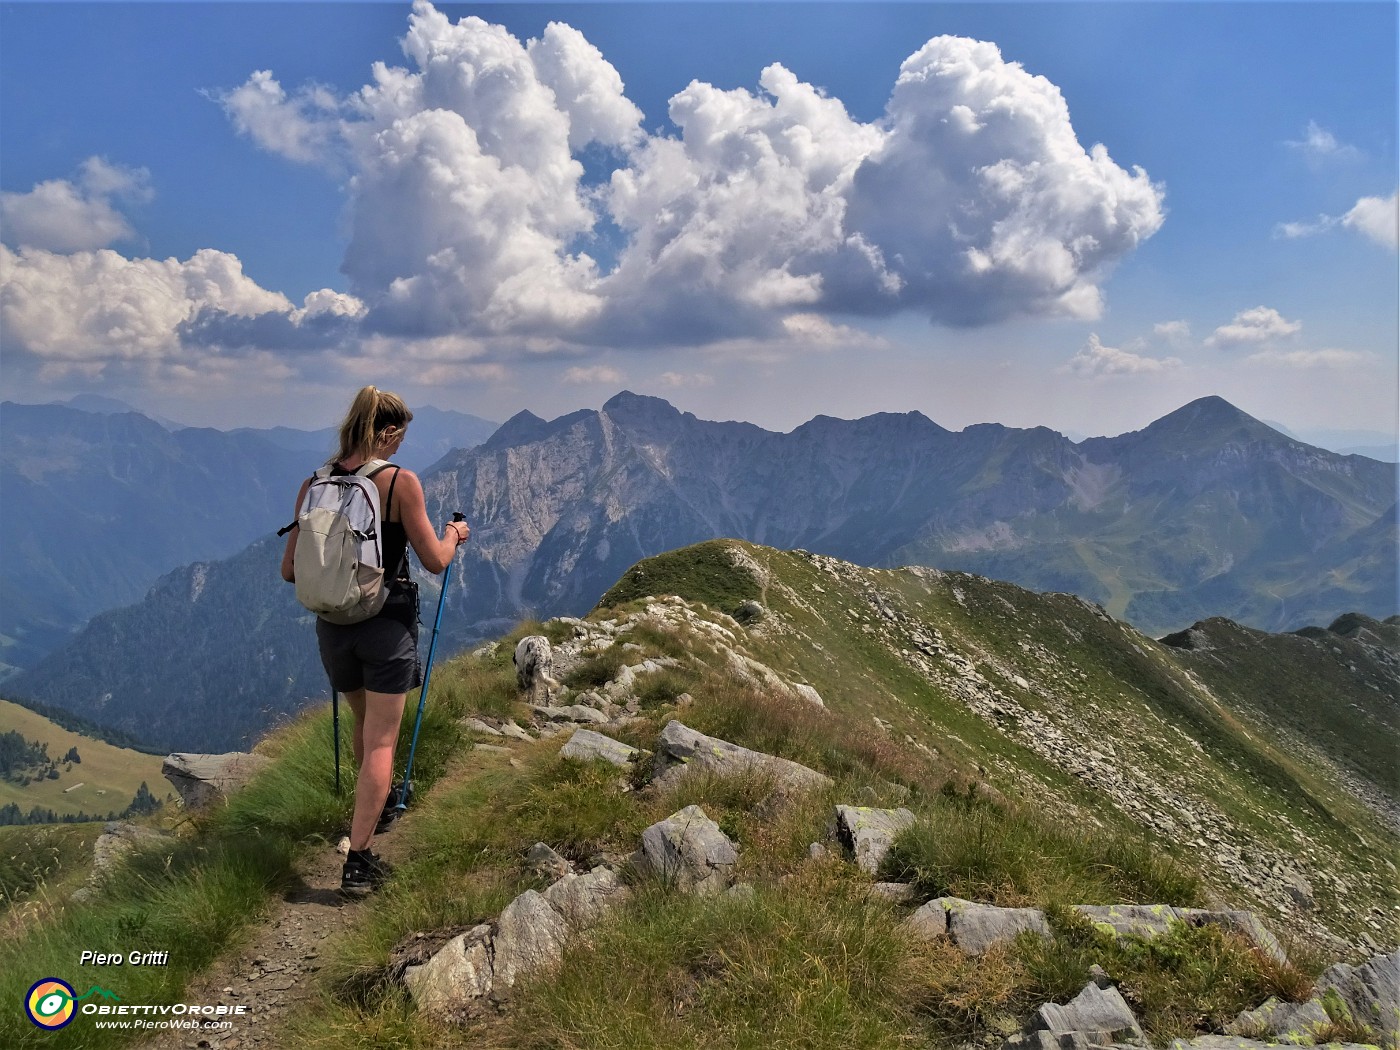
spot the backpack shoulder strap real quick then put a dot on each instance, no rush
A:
(295, 521)
(373, 467)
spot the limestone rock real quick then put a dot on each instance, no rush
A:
(571, 713)
(871, 832)
(688, 850)
(118, 839)
(530, 934)
(929, 921)
(202, 780)
(1100, 1014)
(977, 927)
(544, 861)
(1131, 920)
(1298, 1024)
(583, 899)
(680, 748)
(458, 974)
(1371, 992)
(586, 745)
(1235, 1042)
(1242, 922)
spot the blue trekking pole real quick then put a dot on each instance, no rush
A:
(407, 789)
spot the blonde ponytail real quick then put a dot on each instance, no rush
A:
(371, 413)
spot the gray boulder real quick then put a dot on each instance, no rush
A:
(1149, 920)
(1298, 1024)
(976, 927)
(570, 713)
(1097, 1014)
(118, 840)
(459, 973)
(586, 745)
(581, 900)
(930, 921)
(530, 934)
(1131, 920)
(1245, 923)
(870, 832)
(545, 862)
(688, 850)
(202, 780)
(680, 749)
(1371, 992)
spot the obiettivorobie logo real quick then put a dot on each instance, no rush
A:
(52, 1003)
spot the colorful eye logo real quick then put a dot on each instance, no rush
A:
(49, 1003)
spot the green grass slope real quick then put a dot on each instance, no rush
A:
(103, 782)
(1050, 754)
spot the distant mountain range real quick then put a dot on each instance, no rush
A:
(1206, 512)
(100, 501)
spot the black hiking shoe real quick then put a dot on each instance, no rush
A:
(363, 874)
(391, 811)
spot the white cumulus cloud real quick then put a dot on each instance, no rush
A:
(82, 310)
(1096, 359)
(971, 200)
(1258, 325)
(1376, 218)
(64, 215)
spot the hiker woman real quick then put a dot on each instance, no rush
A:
(374, 662)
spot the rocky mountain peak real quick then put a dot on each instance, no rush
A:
(626, 407)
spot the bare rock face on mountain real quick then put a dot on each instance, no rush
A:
(561, 508)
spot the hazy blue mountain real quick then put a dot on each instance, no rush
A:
(98, 506)
(102, 500)
(433, 434)
(1207, 512)
(215, 654)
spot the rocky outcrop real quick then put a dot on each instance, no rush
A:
(1149, 920)
(1370, 992)
(117, 841)
(975, 927)
(687, 850)
(1298, 1024)
(680, 750)
(1096, 1016)
(202, 780)
(869, 833)
(529, 935)
(587, 746)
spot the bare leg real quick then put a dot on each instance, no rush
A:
(382, 714)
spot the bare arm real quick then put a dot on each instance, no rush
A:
(434, 553)
(290, 549)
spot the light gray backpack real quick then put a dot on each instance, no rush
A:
(339, 555)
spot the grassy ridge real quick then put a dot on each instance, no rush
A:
(808, 958)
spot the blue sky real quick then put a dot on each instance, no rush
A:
(893, 217)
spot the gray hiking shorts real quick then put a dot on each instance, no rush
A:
(380, 654)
